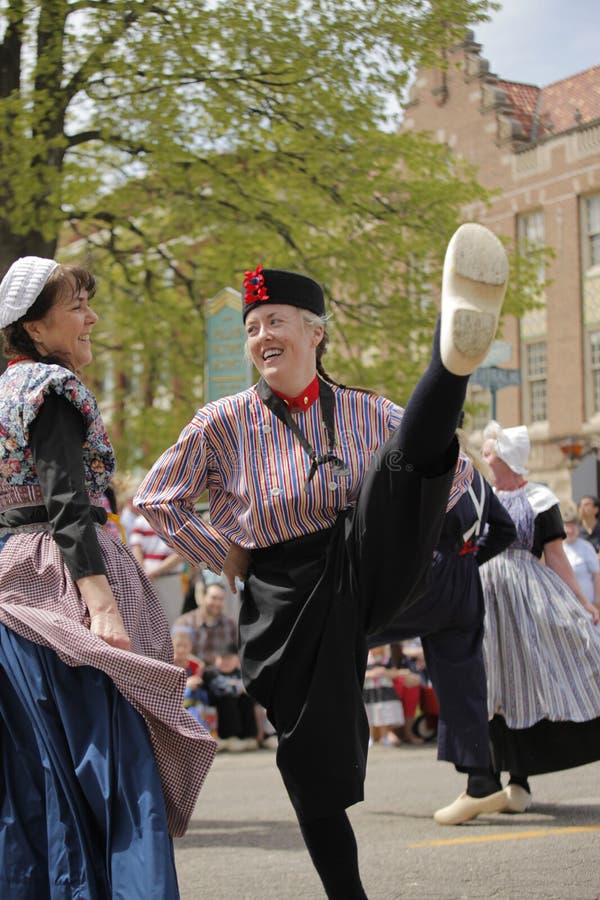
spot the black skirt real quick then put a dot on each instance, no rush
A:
(543, 747)
(308, 606)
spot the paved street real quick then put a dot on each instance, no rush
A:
(244, 842)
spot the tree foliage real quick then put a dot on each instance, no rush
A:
(173, 146)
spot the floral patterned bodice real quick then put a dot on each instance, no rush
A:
(23, 387)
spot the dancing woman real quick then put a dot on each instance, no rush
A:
(100, 763)
(328, 501)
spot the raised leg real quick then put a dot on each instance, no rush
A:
(405, 493)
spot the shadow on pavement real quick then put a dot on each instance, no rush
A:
(265, 835)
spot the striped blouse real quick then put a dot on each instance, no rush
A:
(254, 470)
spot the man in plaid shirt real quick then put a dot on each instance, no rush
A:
(213, 631)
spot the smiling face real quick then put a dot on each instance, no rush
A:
(283, 347)
(65, 329)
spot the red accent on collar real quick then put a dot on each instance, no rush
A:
(19, 359)
(522, 484)
(305, 398)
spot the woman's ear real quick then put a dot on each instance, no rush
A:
(33, 330)
(318, 333)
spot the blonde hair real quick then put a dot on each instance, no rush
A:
(474, 455)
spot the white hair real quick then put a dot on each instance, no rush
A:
(491, 430)
(313, 319)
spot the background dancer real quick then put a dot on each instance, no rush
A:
(541, 643)
(329, 502)
(449, 620)
(99, 760)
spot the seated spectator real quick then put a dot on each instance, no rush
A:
(235, 709)
(384, 709)
(582, 556)
(414, 687)
(212, 630)
(232, 602)
(164, 567)
(195, 698)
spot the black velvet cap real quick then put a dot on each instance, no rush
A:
(278, 286)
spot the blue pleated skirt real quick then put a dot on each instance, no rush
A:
(82, 814)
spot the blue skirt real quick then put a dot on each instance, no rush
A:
(82, 814)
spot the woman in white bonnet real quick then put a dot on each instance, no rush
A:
(100, 763)
(541, 643)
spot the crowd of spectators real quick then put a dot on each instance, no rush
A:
(202, 612)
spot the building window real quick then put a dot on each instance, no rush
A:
(531, 236)
(592, 231)
(590, 265)
(594, 350)
(535, 354)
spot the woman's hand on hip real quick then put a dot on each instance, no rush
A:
(236, 565)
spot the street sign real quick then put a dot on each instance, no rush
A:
(228, 371)
(494, 378)
(499, 352)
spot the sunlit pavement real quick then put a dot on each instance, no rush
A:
(244, 841)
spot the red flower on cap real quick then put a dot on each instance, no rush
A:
(254, 286)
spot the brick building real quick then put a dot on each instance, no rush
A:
(539, 148)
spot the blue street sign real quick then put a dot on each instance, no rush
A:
(495, 378)
(228, 371)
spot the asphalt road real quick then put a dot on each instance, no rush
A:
(244, 841)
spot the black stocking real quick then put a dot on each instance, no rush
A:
(332, 847)
(483, 782)
(431, 415)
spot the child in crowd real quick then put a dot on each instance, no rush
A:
(237, 729)
(414, 690)
(195, 698)
(384, 709)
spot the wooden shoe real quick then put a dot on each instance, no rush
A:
(473, 287)
(465, 808)
(518, 799)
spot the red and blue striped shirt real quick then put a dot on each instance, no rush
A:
(254, 470)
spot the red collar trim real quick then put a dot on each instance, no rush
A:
(18, 359)
(305, 398)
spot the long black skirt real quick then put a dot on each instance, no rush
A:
(308, 606)
(543, 747)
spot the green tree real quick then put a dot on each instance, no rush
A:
(173, 146)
